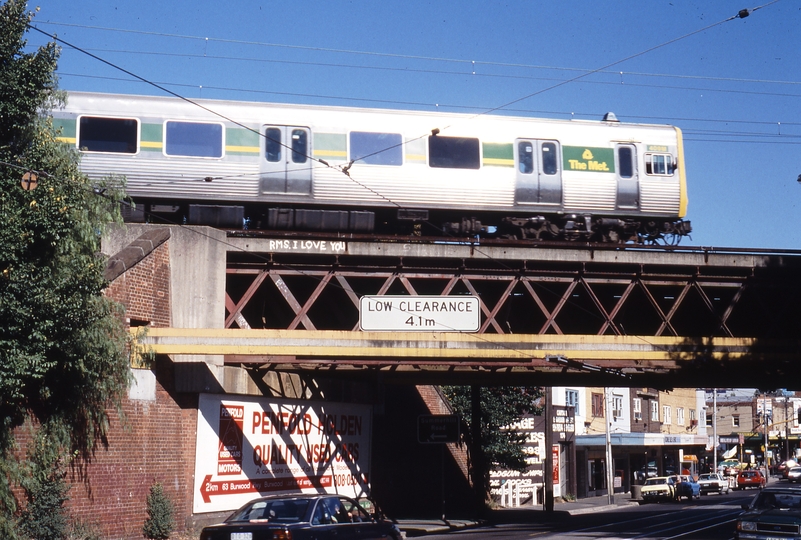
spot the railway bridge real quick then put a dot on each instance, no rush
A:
(589, 314)
(234, 327)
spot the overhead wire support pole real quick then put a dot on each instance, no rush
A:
(610, 464)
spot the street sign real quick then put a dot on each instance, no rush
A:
(441, 428)
(419, 313)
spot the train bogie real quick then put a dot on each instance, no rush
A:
(233, 164)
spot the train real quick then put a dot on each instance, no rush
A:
(280, 167)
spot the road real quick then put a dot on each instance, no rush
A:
(710, 518)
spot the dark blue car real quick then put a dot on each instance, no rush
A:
(687, 486)
(302, 517)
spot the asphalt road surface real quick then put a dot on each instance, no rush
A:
(712, 517)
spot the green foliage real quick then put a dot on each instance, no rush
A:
(500, 407)
(45, 517)
(83, 530)
(62, 343)
(159, 523)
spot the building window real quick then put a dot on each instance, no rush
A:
(735, 420)
(654, 411)
(709, 420)
(572, 400)
(617, 406)
(597, 405)
(680, 416)
(666, 415)
(636, 405)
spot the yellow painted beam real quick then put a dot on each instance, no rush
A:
(431, 345)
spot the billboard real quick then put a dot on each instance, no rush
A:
(248, 447)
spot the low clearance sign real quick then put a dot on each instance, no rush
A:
(248, 447)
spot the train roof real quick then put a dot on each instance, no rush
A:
(212, 106)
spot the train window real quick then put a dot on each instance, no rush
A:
(454, 152)
(625, 161)
(659, 164)
(549, 158)
(272, 145)
(116, 135)
(376, 148)
(193, 139)
(300, 145)
(525, 153)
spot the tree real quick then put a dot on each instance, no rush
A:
(62, 343)
(489, 443)
(159, 523)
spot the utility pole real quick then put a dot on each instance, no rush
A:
(715, 429)
(765, 418)
(610, 464)
(548, 464)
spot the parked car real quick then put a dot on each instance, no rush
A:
(730, 467)
(794, 474)
(773, 513)
(751, 478)
(785, 467)
(713, 483)
(686, 486)
(302, 517)
(659, 488)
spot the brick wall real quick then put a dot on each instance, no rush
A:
(154, 438)
(154, 442)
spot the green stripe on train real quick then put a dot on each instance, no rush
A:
(151, 137)
(499, 154)
(240, 141)
(331, 146)
(67, 127)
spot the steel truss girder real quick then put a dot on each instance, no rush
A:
(473, 283)
(534, 291)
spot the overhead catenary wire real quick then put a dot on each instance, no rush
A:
(345, 169)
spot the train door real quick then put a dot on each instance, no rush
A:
(286, 164)
(628, 181)
(539, 176)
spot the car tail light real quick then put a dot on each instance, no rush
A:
(283, 534)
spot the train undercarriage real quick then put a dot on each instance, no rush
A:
(419, 222)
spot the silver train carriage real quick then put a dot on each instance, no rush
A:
(275, 166)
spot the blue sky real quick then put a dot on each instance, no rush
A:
(733, 86)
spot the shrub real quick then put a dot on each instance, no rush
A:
(159, 523)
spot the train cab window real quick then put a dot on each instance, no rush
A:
(193, 139)
(376, 148)
(525, 153)
(114, 135)
(549, 158)
(454, 152)
(659, 164)
(300, 145)
(625, 161)
(273, 145)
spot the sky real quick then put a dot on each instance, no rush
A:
(731, 83)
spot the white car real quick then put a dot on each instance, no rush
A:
(713, 483)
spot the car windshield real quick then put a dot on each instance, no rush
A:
(769, 500)
(707, 477)
(279, 510)
(655, 481)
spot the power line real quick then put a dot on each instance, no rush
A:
(468, 63)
